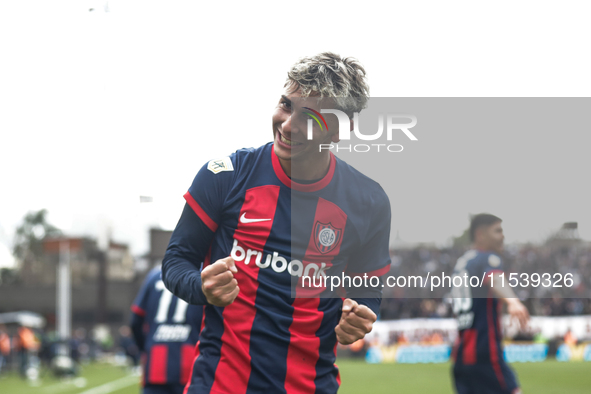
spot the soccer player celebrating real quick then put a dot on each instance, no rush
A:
(264, 219)
(165, 329)
(479, 365)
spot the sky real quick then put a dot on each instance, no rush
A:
(98, 108)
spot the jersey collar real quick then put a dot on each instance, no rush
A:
(312, 187)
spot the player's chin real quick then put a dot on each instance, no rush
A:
(282, 153)
(286, 153)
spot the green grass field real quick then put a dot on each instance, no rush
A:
(549, 377)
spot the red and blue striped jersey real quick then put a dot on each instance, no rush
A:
(166, 329)
(277, 231)
(478, 312)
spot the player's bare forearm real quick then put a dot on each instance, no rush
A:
(502, 292)
(515, 307)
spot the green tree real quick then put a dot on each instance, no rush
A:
(463, 241)
(7, 275)
(28, 244)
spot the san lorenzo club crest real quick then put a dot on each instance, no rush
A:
(327, 237)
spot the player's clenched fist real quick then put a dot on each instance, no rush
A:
(218, 282)
(356, 321)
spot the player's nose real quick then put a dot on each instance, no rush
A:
(286, 126)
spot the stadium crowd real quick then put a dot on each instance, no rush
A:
(413, 302)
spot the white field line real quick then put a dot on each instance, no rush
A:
(66, 385)
(113, 386)
(56, 387)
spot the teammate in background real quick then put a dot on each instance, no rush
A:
(257, 337)
(479, 365)
(165, 330)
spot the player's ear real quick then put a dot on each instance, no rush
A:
(480, 232)
(335, 137)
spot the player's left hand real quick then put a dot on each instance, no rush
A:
(356, 321)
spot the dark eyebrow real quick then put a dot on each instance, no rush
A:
(286, 99)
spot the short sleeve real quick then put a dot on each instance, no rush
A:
(492, 263)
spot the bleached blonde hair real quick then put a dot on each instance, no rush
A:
(329, 75)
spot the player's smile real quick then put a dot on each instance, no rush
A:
(286, 142)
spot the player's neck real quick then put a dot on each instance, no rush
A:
(481, 247)
(306, 169)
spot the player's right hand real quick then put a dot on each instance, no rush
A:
(218, 282)
(518, 311)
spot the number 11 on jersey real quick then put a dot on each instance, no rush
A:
(180, 312)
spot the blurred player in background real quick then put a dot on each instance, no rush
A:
(257, 337)
(479, 365)
(128, 346)
(165, 329)
(26, 345)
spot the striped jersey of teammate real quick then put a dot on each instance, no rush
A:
(478, 354)
(166, 329)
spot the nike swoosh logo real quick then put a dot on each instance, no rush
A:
(244, 219)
